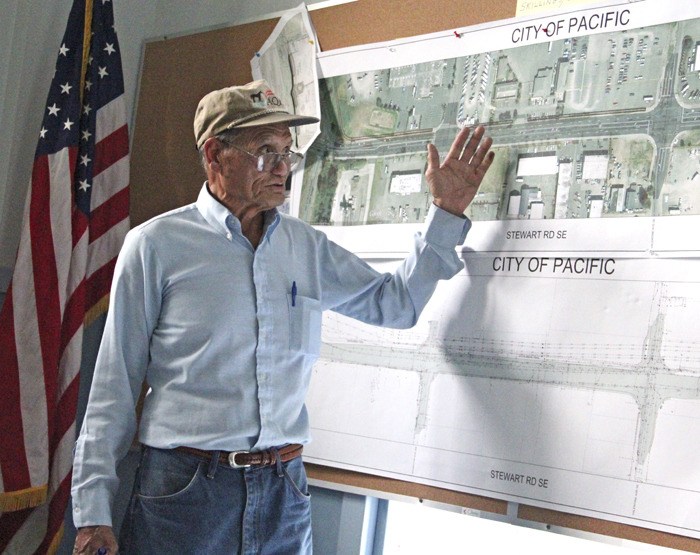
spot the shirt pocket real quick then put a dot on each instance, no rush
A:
(304, 324)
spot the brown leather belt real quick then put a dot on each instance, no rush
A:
(244, 459)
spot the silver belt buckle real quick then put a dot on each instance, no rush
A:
(232, 459)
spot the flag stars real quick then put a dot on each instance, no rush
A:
(87, 110)
(103, 72)
(85, 160)
(43, 132)
(84, 185)
(53, 110)
(68, 124)
(88, 85)
(109, 49)
(65, 89)
(86, 135)
(63, 51)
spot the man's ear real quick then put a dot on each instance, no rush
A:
(212, 154)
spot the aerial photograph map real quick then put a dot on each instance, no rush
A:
(603, 125)
(561, 368)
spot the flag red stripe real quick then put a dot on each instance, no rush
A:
(109, 213)
(65, 410)
(15, 472)
(99, 283)
(73, 315)
(75, 304)
(45, 280)
(43, 256)
(56, 513)
(10, 523)
(111, 149)
(80, 223)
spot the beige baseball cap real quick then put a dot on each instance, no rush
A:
(244, 106)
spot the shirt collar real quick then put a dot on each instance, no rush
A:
(221, 218)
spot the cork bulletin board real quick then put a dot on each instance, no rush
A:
(165, 171)
(177, 72)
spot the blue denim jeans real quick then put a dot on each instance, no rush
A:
(184, 504)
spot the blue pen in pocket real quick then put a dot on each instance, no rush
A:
(294, 293)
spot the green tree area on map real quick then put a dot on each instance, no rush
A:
(596, 126)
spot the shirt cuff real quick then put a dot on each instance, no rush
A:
(445, 229)
(91, 510)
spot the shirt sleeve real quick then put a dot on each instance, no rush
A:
(395, 300)
(110, 420)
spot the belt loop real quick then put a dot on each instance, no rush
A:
(213, 464)
(278, 461)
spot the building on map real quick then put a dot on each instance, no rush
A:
(616, 202)
(513, 204)
(529, 196)
(696, 64)
(632, 200)
(541, 163)
(595, 206)
(673, 209)
(506, 91)
(536, 211)
(595, 164)
(406, 182)
(561, 202)
(560, 81)
(542, 85)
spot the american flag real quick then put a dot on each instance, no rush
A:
(75, 219)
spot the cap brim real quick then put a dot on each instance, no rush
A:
(278, 117)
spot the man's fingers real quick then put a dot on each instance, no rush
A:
(433, 157)
(458, 144)
(473, 142)
(470, 149)
(485, 165)
(481, 152)
(469, 157)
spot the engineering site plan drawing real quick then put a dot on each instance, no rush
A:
(561, 368)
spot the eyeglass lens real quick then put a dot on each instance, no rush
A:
(271, 160)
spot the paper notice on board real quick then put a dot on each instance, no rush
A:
(287, 61)
(529, 7)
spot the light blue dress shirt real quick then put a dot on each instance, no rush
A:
(225, 335)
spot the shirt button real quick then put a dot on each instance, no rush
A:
(228, 236)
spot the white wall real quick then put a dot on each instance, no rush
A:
(187, 16)
(30, 35)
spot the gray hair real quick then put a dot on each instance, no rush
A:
(228, 137)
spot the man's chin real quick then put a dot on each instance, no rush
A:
(280, 190)
(278, 199)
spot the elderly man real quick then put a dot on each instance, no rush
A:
(217, 306)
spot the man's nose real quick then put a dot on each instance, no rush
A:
(281, 168)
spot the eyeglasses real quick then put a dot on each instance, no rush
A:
(268, 161)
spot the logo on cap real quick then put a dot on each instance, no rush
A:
(272, 100)
(257, 99)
